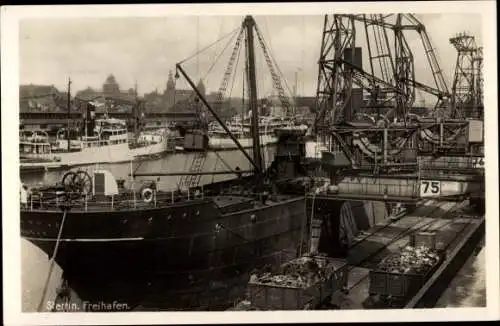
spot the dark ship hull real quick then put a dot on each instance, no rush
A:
(189, 254)
(186, 242)
(182, 247)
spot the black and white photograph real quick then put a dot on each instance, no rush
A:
(326, 160)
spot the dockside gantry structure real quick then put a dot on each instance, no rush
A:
(385, 151)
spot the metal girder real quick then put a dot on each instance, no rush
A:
(467, 94)
(404, 70)
(396, 73)
(274, 74)
(367, 80)
(229, 68)
(334, 81)
(382, 53)
(430, 90)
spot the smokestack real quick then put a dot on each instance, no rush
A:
(356, 99)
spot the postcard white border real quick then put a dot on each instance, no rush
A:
(10, 162)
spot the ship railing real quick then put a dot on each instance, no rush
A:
(130, 198)
(51, 200)
(451, 163)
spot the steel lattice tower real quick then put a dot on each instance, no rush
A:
(391, 68)
(466, 89)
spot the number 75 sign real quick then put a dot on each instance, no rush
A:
(430, 188)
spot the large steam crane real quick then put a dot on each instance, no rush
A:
(243, 35)
(391, 82)
(391, 68)
(366, 147)
(391, 73)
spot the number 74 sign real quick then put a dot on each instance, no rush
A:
(430, 188)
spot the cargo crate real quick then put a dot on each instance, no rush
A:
(267, 295)
(427, 239)
(400, 285)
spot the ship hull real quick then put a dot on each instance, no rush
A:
(218, 143)
(179, 248)
(115, 153)
(161, 147)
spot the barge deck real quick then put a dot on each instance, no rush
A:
(457, 229)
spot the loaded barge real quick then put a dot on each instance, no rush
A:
(403, 263)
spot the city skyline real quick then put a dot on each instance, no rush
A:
(141, 50)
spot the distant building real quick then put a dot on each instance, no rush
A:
(41, 98)
(180, 99)
(110, 98)
(153, 101)
(110, 86)
(172, 99)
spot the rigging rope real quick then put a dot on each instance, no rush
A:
(270, 50)
(52, 261)
(234, 71)
(278, 75)
(219, 56)
(181, 178)
(223, 161)
(197, 43)
(209, 46)
(215, 169)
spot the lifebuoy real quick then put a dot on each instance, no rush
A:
(197, 193)
(147, 195)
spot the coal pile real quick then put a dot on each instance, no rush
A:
(298, 273)
(411, 260)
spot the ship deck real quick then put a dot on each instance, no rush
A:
(226, 202)
(451, 221)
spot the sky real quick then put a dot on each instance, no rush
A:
(145, 49)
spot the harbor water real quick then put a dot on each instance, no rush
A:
(466, 290)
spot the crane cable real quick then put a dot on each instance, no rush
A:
(268, 47)
(52, 261)
(230, 92)
(209, 46)
(276, 74)
(220, 55)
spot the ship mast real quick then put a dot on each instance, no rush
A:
(243, 101)
(249, 24)
(135, 110)
(216, 116)
(69, 113)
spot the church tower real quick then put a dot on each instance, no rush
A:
(170, 91)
